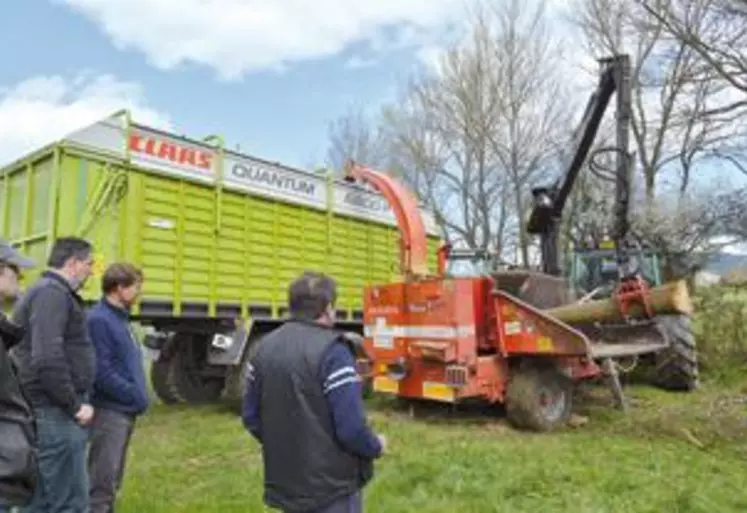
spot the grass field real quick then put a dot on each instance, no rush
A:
(673, 453)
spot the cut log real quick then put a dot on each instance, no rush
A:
(670, 298)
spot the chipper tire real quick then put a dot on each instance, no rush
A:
(676, 367)
(538, 398)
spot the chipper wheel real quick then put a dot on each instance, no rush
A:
(538, 398)
(676, 367)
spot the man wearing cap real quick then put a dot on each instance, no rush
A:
(17, 463)
(56, 368)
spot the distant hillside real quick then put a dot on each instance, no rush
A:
(722, 263)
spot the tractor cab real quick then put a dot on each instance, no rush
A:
(594, 270)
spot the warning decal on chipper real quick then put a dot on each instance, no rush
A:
(544, 344)
(385, 384)
(512, 328)
(437, 391)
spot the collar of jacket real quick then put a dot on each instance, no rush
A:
(10, 333)
(61, 279)
(311, 322)
(116, 310)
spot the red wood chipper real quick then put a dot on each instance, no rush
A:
(517, 337)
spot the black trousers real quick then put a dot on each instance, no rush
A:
(350, 504)
(110, 437)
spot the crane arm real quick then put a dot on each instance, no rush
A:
(549, 202)
(413, 241)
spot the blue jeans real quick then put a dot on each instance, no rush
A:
(63, 478)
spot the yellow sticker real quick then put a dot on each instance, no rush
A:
(385, 384)
(544, 343)
(99, 265)
(438, 391)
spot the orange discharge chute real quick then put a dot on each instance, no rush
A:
(413, 242)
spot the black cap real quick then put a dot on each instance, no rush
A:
(9, 255)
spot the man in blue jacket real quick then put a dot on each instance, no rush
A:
(119, 391)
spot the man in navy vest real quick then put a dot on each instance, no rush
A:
(304, 404)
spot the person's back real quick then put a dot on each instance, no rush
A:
(305, 466)
(303, 402)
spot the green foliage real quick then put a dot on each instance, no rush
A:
(721, 331)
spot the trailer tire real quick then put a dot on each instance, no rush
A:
(528, 388)
(159, 380)
(192, 388)
(676, 367)
(236, 380)
(178, 376)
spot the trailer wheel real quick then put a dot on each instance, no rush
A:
(159, 380)
(538, 398)
(676, 367)
(180, 377)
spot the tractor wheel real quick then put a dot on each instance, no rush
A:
(180, 378)
(538, 398)
(159, 380)
(676, 367)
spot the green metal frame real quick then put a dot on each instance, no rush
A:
(102, 195)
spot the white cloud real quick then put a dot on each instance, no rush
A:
(40, 110)
(239, 36)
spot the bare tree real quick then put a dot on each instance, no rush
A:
(717, 31)
(440, 133)
(475, 136)
(688, 230)
(535, 111)
(355, 136)
(670, 94)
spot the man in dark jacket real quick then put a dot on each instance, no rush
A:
(303, 403)
(55, 361)
(120, 393)
(18, 472)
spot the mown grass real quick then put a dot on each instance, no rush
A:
(666, 455)
(672, 453)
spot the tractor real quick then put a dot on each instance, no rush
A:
(522, 337)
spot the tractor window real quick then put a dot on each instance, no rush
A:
(609, 267)
(599, 268)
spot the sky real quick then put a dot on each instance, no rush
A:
(268, 75)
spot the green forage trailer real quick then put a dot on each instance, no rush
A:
(218, 234)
